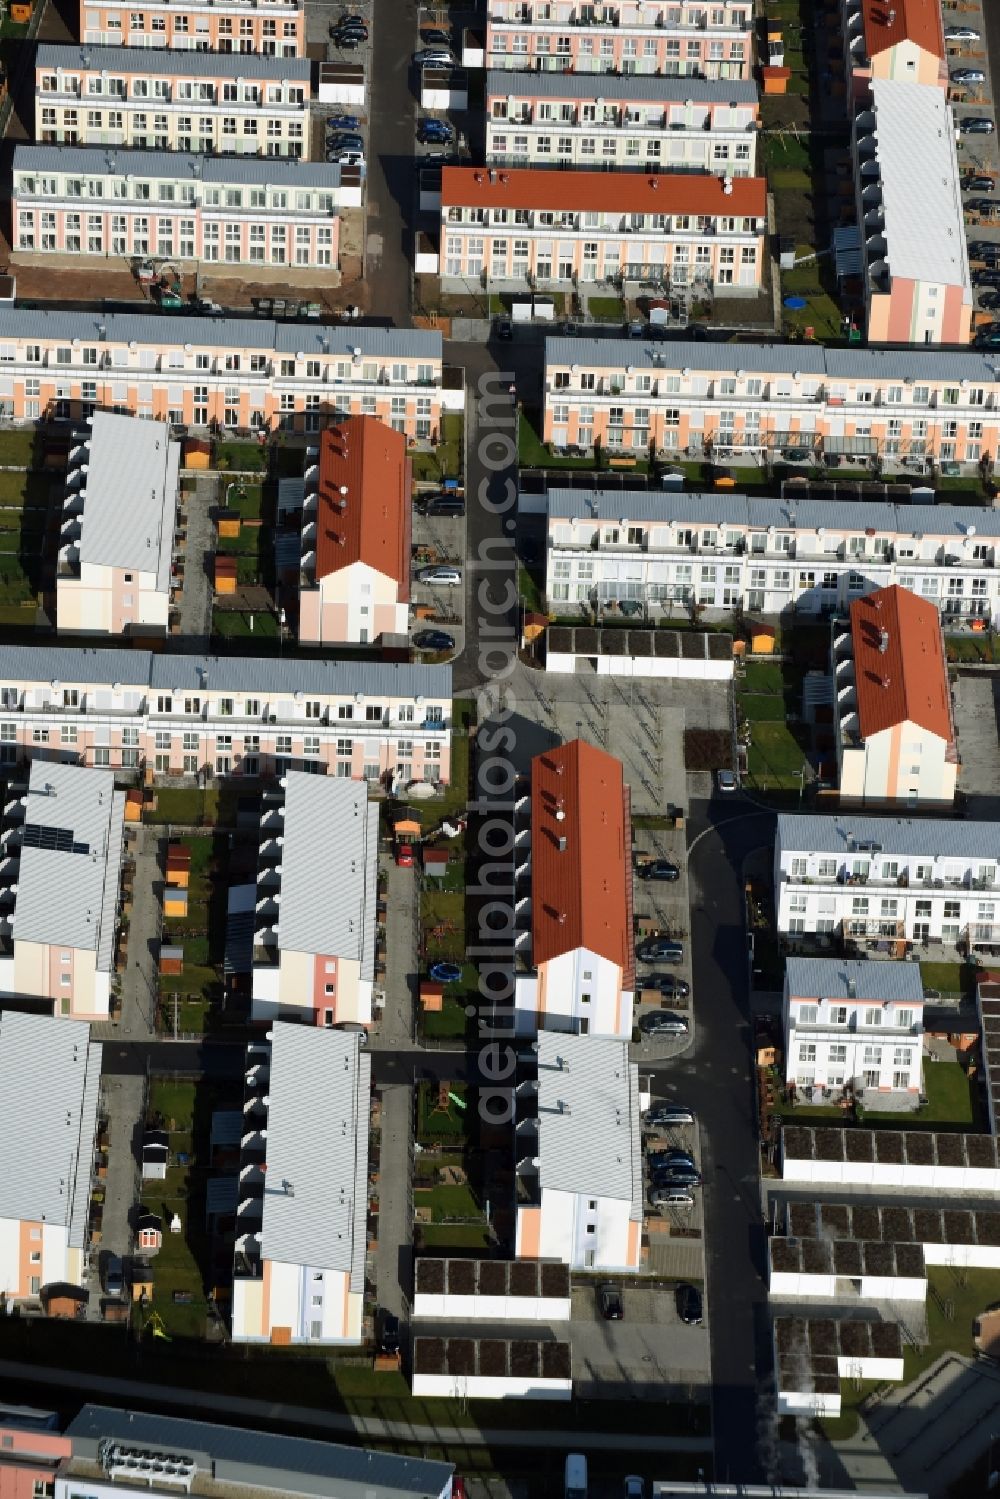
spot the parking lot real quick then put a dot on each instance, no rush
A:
(439, 542)
(648, 1355)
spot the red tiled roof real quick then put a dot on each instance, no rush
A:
(889, 22)
(607, 192)
(899, 664)
(371, 522)
(580, 892)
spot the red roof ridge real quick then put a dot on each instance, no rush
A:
(889, 22)
(612, 192)
(899, 664)
(580, 855)
(363, 507)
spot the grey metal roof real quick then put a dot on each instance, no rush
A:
(920, 195)
(773, 359)
(316, 1199)
(831, 978)
(256, 1460)
(184, 166)
(131, 483)
(282, 678)
(174, 331)
(588, 1116)
(64, 896)
(50, 1074)
(275, 677)
(710, 358)
(164, 63)
(630, 88)
(240, 926)
(327, 889)
(723, 506)
(925, 837)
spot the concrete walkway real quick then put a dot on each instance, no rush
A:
(394, 1254)
(209, 1406)
(196, 596)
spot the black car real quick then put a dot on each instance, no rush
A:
(989, 301)
(687, 1299)
(663, 1023)
(665, 1160)
(987, 278)
(434, 640)
(388, 1333)
(435, 37)
(609, 1299)
(658, 869)
(675, 1176)
(503, 327)
(667, 985)
(660, 950)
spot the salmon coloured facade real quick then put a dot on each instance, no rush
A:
(274, 28)
(203, 372)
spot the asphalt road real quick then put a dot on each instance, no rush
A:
(715, 1078)
(391, 178)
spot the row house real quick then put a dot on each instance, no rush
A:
(45, 1185)
(551, 228)
(916, 267)
(317, 890)
(247, 211)
(201, 372)
(118, 521)
(623, 36)
(189, 101)
(639, 124)
(853, 1026)
(705, 400)
(886, 884)
(573, 862)
(137, 1455)
(60, 870)
(893, 726)
(302, 1189)
(204, 716)
(578, 1147)
(901, 41)
(354, 559)
(653, 551)
(274, 28)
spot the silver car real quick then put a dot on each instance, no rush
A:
(441, 577)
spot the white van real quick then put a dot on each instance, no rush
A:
(575, 1485)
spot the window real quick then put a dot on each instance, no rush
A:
(904, 1019)
(808, 1014)
(873, 1015)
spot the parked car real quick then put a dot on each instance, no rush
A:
(434, 640)
(441, 576)
(503, 328)
(978, 184)
(436, 159)
(434, 130)
(725, 780)
(961, 34)
(968, 75)
(979, 247)
(666, 1115)
(346, 158)
(441, 504)
(114, 1276)
(987, 207)
(668, 985)
(343, 122)
(388, 1333)
(987, 278)
(433, 57)
(435, 37)
(975, 125)
(677, 1198)
(658, 869)
(660, 950)
(663, 1023)
(675, 1176)
(662, 1160)
(687, 1299)
(347, 41)
(609, 1299)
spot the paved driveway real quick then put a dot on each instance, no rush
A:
(650, 1354)
(976, 701)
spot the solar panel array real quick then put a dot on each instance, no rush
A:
(60, 840)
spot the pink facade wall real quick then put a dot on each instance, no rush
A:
(273, 29)
(601, 49)
(727, 263)
(321, 1001)
(27, 1458)
(75, 230)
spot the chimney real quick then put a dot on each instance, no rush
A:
(562, 845)
(883, 642)
(886, 682)
(561, 918)
(727, 186)
(852, 989)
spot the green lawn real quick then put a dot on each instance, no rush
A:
(762, 707)
(458, 1236)
(821, 312)
(448, 1203)
(763, 677)
(775, 758)
(20, 446)
(606, 309)
(235, 624)
(449, 1023)
(247, 498)
(949, 978)
(241, 457)
(437, 1123)
(533, 453)
(445, 461)
(20, 488)
(183, 806)
(445, 909)
(949, 1093)
(529, 590)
